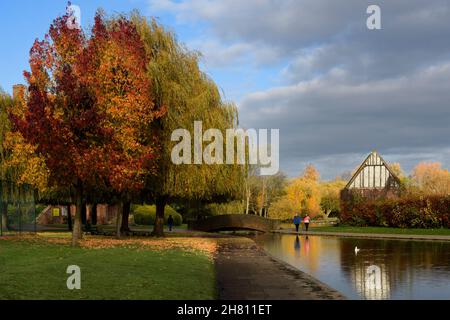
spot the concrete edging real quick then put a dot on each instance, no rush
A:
(325, 291)
(367, 235)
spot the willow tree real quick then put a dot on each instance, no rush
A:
(20, 167)
(188, 95)
(5, 102)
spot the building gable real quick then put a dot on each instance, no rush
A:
(373, 173)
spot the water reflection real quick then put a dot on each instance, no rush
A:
(382, 269)
(371, 282)
(306, 246)
(297, 245)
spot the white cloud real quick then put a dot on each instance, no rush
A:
(342, 90)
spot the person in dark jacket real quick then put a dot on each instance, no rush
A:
(297, 222)
(170, 222)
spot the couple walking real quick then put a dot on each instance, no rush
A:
(298, 221)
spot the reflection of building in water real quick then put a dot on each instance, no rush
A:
(371, 281)
(402, 264)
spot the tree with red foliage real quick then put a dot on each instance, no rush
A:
(90, 110)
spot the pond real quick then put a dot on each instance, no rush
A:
(382, 269)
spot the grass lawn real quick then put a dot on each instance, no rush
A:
(35, 268)
(382, 230)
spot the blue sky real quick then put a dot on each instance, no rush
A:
(310, 68)
(25, 20)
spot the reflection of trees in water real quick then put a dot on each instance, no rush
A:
(398, 262)
(308, 249)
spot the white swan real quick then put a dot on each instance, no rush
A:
(356, 250)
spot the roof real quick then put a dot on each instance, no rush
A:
(373, 160)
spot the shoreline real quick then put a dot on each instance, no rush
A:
(391, 236)
(245, 271)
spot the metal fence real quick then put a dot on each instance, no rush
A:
(17, 209)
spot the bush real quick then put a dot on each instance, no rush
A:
(146, 215)
(233, 207)
(408, 212)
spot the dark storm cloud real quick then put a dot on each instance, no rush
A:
(344, 90)
(329, 116)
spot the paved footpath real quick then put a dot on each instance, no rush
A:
(246, 272)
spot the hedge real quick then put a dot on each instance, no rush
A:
(145, 215)
(410, 212)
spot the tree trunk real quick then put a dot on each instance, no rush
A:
(77, 232)
(125, 217)
(119, 220)
(247, 208)
(94, 214)
(158, 229)
(4, 214)
(69, 219)
(84, 214)
(263, 198)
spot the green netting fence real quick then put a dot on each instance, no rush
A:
(17, 209)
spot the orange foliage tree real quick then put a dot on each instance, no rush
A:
(431, 178)
(89, 108)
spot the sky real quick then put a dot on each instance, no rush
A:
(311, 68)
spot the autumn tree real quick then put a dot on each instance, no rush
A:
(19, 164)
(330, 196)
(302, 196)
(270, 188)
(282, 209)
(252, 186)
(5, 102)
(431, 178)
(311, 173)
(125, 94)
(188, 95)
(88, 109)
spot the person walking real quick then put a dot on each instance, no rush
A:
(306, 221)
(170, 222)
(297, 221)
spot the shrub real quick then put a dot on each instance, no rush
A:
(146, 215)
(407, 212)
(234, 207)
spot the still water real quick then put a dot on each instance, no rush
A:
(382, 269)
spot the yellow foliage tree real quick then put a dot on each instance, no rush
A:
(302, 196)
(431, 178)
(330, 193)
(19, 164)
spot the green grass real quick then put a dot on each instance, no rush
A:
(383, 230)
(37, 271)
